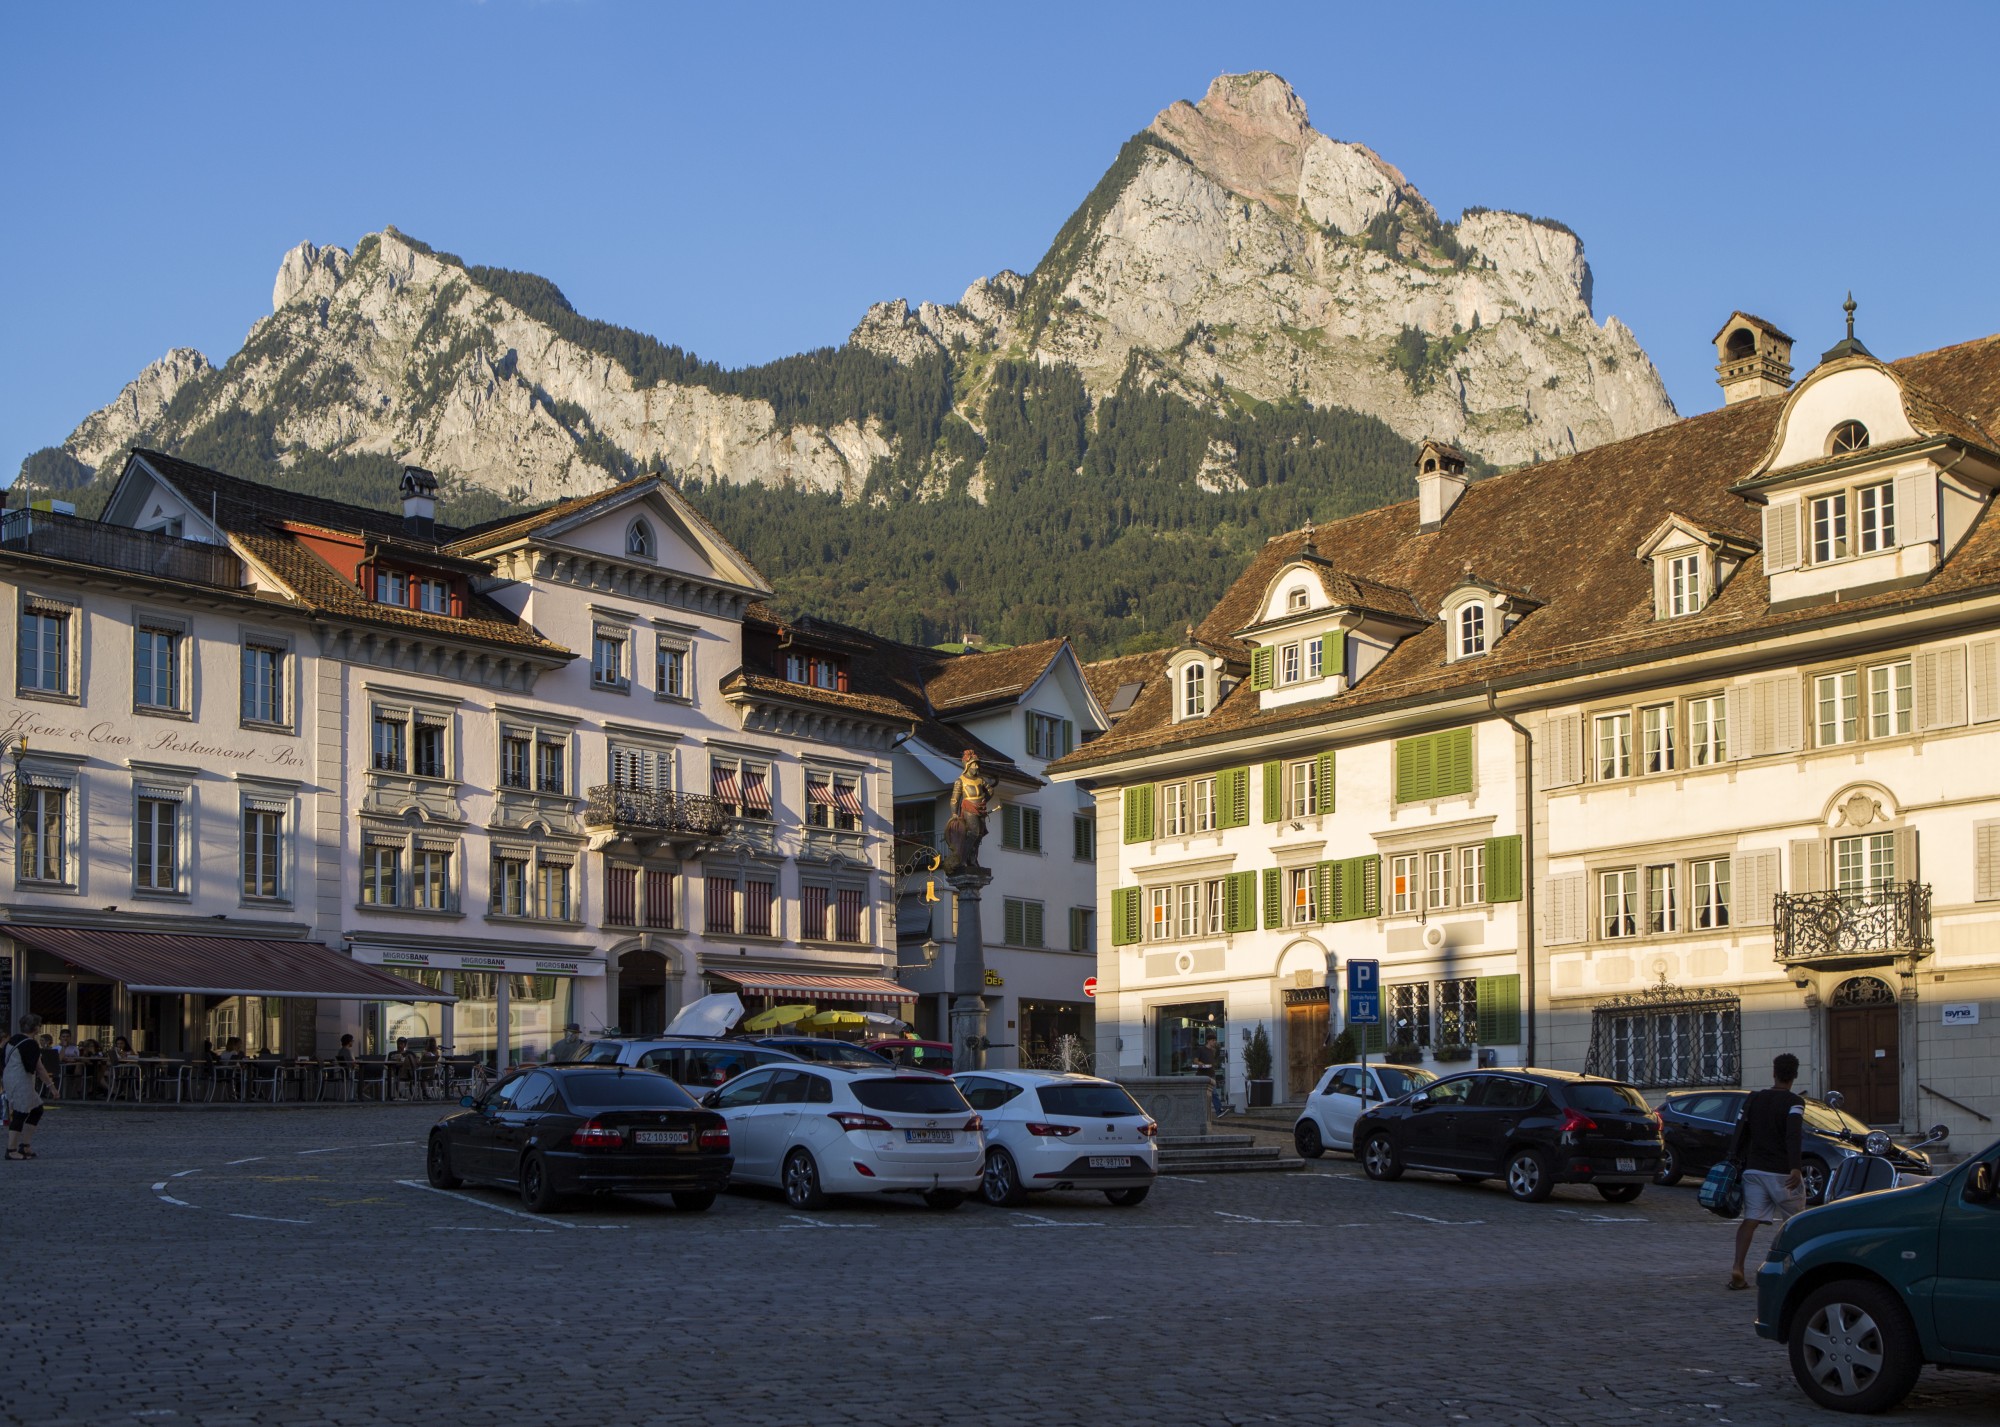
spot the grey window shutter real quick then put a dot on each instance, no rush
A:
(1781, 536)
(1787, 735)
(1562, 751)
(1986, 861)
(1907, 869)
(1939, 677)
(1566, 920)
(1743, 721)
(1768, 714)
(1808, 865)
(1916, 509)
(1984, 658)
(1753, 879)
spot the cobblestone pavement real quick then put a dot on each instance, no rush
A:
(292, 1267)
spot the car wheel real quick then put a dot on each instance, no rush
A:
(437, 1165)
(538, 1194)
(1853, 1347)
(694, 1200)
(1000, 1185)
(1669, 1172)
(1306, 1138)
(944, 1199)
(1620, 1193)
(1126, 1198)
(1813, 1172)
(802, 1189)
(1378, 1157)
(1528, 1177)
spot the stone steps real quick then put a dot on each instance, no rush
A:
(1223, 1154)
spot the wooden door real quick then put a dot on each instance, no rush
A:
(1305, 1037)
(1866, 1045)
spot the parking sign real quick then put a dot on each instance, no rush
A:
(1364, 993)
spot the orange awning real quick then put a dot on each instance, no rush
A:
(167, 963)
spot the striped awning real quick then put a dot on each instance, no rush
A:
(847, 797)
(166, 963)
(801, 987)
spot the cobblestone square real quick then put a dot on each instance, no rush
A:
(250, 1266)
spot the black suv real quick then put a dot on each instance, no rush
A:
(1534, 1129)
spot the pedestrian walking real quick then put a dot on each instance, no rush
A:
(1766, 1148)
(570, 1046)
(1208, 1061)
(23, 1074)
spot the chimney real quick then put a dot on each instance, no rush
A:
(1441, 480)
(1752, 359)
(419, 488)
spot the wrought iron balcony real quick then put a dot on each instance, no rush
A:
(1828, 930)
(140, 552)
(644, 815)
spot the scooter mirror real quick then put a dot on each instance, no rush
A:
(1835, 1099)
(1938, 1133)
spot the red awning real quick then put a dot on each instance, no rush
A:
(847, 797)
(799, 987)
(167, 963)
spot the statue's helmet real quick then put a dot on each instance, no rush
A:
(968, 757)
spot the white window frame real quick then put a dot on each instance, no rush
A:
(146, 626)
(1891, 700)
(1837, 708)
(1708, 730)
(257, 807)
(66, 618)
(1194, 690)
(741, 765)
(1472, 875)
(177, 798)
(1471, 629)
(277, 686)
(1827, 524)
(1663, 909)
(1201, 801)
(1709, 884)
(1440, 879)
(1864, 867)
(1291, 664)
(1302, 903)
(614, 673)
(639, 541)
(1406, 882)
(1618, 906)
(1315, 650)
(1657, 739)
(1302, 788)
(1685, 594)
(40, 791)
(673, 668)
(1174, 820)
(1875, 518)
(1611, 744)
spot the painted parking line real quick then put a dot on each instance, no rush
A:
(502, 1208)
(1250, 1219)
(1456, 1223)
(267, 1219)
(800, 1221)
(1036, 1221)
(252, 1160)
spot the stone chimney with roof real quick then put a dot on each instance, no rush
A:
(1752, 359)
(419, 488)
(1441, 480)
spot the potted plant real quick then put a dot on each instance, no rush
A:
(1257, 1065)
(1451, 1053)
(1404, 1053)
(1344, 1049)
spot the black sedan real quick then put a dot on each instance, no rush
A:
(1701, 1126)
(1531, 1129)
(584, 1129)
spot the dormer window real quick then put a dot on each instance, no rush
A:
(1684, 586)
(1194, 691)
(639, 540)
(392, 587)
(1847, 438)
(1472, 630)
(433, 596)
(819, 671)
(1691, 565)
(1295, 600)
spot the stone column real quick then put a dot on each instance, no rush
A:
(968, 975)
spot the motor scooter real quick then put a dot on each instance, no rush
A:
(1872, 1170)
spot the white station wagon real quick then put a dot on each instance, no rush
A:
(1050, 1131)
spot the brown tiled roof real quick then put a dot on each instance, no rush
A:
(961, 681)
(1107, 676)
(247, 505)
(488, 534)
(1565, 533)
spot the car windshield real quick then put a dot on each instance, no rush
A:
(911, 1096)
(842, 1053)
(1833, 1122)
(638, 1089)
(1105, 1102)
(601, 1052)
(1397, 1083)
(1595, 1097)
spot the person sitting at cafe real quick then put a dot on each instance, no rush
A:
(232, 1050)
(66, 1047)
(96, 1077)
(403, 1063)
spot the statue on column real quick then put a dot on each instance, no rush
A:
(973, 794)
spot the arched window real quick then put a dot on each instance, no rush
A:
(1194, 691)
(1295, 599)
(1742, 343)
(639, 540)
(1847, 437)
(1472, 630)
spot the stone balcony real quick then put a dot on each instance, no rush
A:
(647, 819)
(1829, 931)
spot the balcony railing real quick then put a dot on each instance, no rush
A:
(1833, 929)
(678, 817)
(140, 552)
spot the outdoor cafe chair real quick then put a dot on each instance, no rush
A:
(333, 1072)
(373, 1074)
(125, 1078)
(69, 1070)
(269, 1073)
(178, 1073)
(226, 1076)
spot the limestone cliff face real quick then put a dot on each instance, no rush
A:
(138, 407)
(1244, 251)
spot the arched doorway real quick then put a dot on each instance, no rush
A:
(1865, 1049)
(642, 993)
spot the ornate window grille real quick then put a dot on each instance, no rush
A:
(1666, 1036)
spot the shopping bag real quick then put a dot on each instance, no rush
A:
(1721, 1193)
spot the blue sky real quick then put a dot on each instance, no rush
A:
(744, 180)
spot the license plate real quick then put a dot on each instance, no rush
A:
(927, 1137)
(1627, 1166)
(661, 1137)
(1111, 1161)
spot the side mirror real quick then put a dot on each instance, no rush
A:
(711, 1100)
(1420, 1099)
(1979, 1188)
(467, 1102)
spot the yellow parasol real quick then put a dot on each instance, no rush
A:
(777, 1016)
(835, 1020)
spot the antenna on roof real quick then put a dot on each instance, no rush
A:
(1848, 307)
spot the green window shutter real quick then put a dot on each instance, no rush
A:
(1503, 869)
(1453, 762)
(1031, 829)
(1012, 934)
(1374, 1038)
(1028, 732)
(1124, 916)
(1239, 902)
(1274, 898)
(1010, 826)
(1357, 888)
(1031, 924)
(1260, 668)
(1325, 875)
(1413, 769)
(1232, 797)
(1323, 784)
(1139, 813)
(1069, 736)
(1333, 653)
(1371, 885)
(1499, 1010)
(1274, 792)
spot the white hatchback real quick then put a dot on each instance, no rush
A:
(817, 1129)
(1051, 1131)
(1343, 1092)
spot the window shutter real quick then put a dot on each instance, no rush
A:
(1260, 667)
(1939, 677)
(1124, 916)
(1139, 813)
(1768, 718)
(1323, 784)
(1274, 791)
(1325, 874)
(1415, 769)
(1808, 865)
(1012, 935)
(1274, 898)
(1453, 761)
(1232, 797)
(1985, 660)
(1753, 887)
(1781, 536)
(1374, 1038)
(1333, 654)
(1565, 920)
(1031, 924)
(1239, 902)
(1028, 733)
(1357, 889)
(1503, 869)
(1905, 842)
(1010, 826)
(1986, 861)
(1562, 751)
(1369, 874)
(1916, 509)
(1498, 1003)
